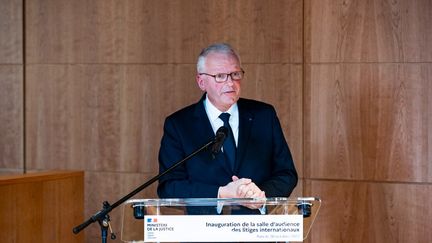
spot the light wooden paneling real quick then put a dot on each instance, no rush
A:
(372, 212)
(102, 117)
(368, 31)
(98, 117)
(280, 85)
(11, 117)
(11, 29)
(369, 121)
(41, 207)
(346, 122)
(165, 31)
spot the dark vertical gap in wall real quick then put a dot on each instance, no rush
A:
(24, 86)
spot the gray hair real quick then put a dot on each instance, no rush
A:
(218, 48)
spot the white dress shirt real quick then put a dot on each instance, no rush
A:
(213, 115)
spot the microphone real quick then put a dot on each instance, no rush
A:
(220, 137)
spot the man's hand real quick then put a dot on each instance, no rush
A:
(242, 188)
(231, 190)
(250, 190)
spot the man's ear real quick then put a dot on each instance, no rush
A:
(200, 82)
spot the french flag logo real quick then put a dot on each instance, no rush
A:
(152, 220)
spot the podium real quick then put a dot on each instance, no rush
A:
(218, 220)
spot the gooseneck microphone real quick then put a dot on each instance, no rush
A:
(220, 137)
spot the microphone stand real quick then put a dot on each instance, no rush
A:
(102, 216)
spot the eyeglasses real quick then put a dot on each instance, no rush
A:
(223, 77)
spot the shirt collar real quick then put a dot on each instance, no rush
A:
(213, 112)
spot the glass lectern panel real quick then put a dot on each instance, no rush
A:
(140, 218)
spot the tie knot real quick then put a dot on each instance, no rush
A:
(224, 117)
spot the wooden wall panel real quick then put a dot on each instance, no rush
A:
(371, 212)
(102, 117)
(11, 118)
(11, 86)
(11, 29)
(280, 85)
(108, 118)
(88, 31)
(369, 121)
(97, 117)
(368, 31)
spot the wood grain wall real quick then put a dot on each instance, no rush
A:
(351, 82)
(368, 119)
(101, 76)
(11, 87)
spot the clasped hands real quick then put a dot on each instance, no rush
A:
(242, 188)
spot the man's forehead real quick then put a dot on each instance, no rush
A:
(221, 60)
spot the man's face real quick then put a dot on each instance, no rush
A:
(222, 95)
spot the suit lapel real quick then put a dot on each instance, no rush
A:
(203, 127)
(245, 124)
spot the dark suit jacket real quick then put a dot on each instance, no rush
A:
(262, 153)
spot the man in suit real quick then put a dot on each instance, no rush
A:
(256, 164)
